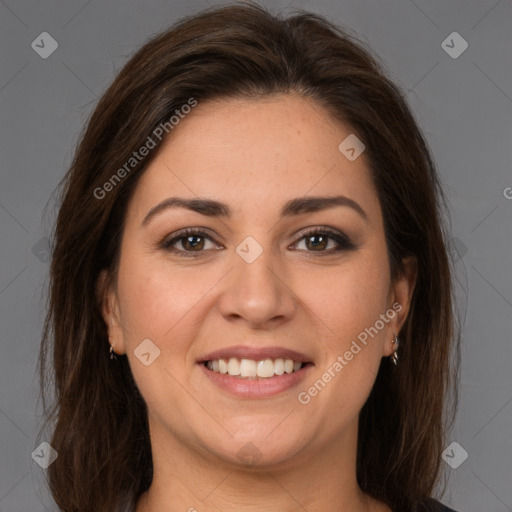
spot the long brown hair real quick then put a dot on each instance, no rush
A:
(97, 417)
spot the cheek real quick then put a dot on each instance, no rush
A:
(351, 352)
(349, 298)
(347, 304)
(155, 298)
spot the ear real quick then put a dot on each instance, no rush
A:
(399, 299)
(109, 306)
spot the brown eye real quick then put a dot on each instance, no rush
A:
(318, 241)
(188, 241)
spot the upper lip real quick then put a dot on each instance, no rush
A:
(254, 353)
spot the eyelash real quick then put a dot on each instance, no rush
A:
(343, 241)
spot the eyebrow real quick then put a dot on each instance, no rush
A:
(212, 208)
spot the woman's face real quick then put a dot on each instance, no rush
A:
(311, 285)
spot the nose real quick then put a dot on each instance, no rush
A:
(257, 293)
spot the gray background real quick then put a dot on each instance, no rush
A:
(464, 106)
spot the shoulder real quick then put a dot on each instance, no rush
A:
(444, 508)
(436, 506)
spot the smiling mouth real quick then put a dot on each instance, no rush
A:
(251, 369)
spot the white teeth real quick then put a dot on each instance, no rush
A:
(233, 366)
(249, 368)
(223, 366)
(265, 368)
(279, 366)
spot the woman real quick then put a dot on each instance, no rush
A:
(251, 299)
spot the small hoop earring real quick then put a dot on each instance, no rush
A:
(394, 356)
(112, 353)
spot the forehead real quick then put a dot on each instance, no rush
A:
(255, 154)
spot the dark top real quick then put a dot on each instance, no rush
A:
(439, 507)
(445, 509)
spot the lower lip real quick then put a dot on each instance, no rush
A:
(256, 388)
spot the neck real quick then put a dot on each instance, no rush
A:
(189, 478)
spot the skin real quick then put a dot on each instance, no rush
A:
(254, 155)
